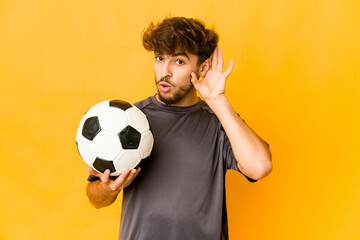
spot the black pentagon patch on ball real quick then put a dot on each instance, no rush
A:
(91, 128)
(120, 104)
(101, 165)
(129, 138)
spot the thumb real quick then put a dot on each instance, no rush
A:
(105, 177)
(195, 81)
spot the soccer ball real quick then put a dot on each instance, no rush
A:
(114, 135)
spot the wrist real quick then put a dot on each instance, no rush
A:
(217, 101)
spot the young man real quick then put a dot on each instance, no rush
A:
(180, 193)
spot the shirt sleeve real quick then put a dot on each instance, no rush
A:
(228, 155)
(92, 178)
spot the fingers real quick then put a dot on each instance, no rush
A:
(130, 177)
(103, 177)
(90, 170)
(125, 178)
(106, 176)
(121, 178)
(219, 61)
(228, 71)
(93, 172)
(214, 59)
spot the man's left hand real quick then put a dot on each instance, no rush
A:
(212, 85)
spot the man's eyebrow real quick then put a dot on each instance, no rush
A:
(180, 54)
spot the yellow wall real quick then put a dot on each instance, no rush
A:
(296, 81)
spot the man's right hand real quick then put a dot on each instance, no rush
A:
(103, 192)
(122, 181)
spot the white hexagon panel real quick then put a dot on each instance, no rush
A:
(137, 119)
(86, 151)
(146, 144)
(127, 159)
(107, 145)
(113, 119)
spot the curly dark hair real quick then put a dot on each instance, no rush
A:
(180, 34)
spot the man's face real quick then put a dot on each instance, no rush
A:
(173, 76)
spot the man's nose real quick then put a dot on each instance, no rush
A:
(166, 70)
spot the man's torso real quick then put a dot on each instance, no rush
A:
(179, 193)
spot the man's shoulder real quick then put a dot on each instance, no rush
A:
(143, 103)
(206, 108)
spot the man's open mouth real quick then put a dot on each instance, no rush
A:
(164, 87)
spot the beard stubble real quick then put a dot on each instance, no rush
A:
(176, 96)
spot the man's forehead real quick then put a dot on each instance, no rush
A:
(181, 54)
(177, 53)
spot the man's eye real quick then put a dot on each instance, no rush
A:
(179, 62)
(158, 58)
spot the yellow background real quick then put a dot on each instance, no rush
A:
(295, 81)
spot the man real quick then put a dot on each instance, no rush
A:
(180, 193)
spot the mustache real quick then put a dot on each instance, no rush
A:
(164, 79)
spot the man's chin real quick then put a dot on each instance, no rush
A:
(167, 99)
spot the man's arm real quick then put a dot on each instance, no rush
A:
(251, 152)
(103, 192)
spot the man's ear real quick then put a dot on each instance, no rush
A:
(204, 67)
